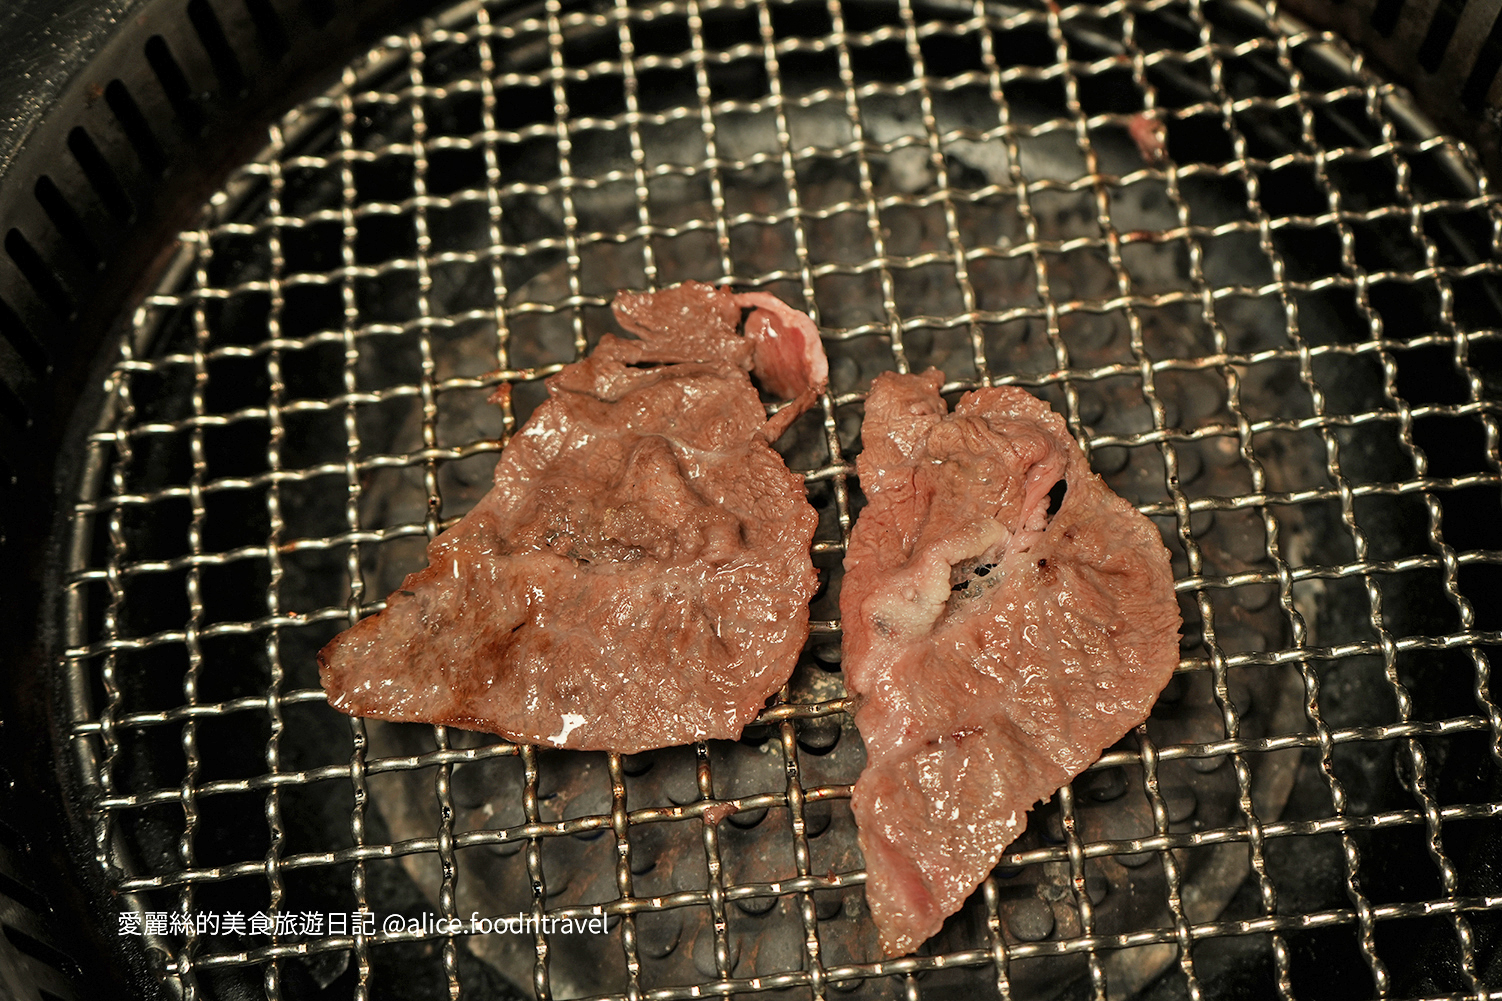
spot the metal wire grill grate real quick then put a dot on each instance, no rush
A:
(1264, 297)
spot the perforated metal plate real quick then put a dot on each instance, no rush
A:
(1262, 293)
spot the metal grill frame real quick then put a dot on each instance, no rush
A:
(107, 492)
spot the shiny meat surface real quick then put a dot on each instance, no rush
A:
(994, 649)
(639, 574)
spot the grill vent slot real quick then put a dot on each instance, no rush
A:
(1488, 61)
(33, 955)
(36, 271)
(269, 27)
(21, 893)
(68, 224)
(1441, 30)
(15, 411)
(169, 74)
(41, 951)
(101, 175)
(211, 33)
(133, 123)
(1385, 16)
(19, 336)
(320, 11)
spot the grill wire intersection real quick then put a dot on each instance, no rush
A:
(1261, 291)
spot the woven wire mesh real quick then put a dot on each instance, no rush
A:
(1262, 293)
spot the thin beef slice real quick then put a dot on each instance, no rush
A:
(993, 649)
(639, 574)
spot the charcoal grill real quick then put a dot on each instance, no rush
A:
(1271, 319)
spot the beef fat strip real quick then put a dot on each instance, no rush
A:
(639, 574)
(994, 648)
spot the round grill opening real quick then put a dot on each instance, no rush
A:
(1259, 288)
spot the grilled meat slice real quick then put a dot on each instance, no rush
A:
(994, 647)
(639, 574)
